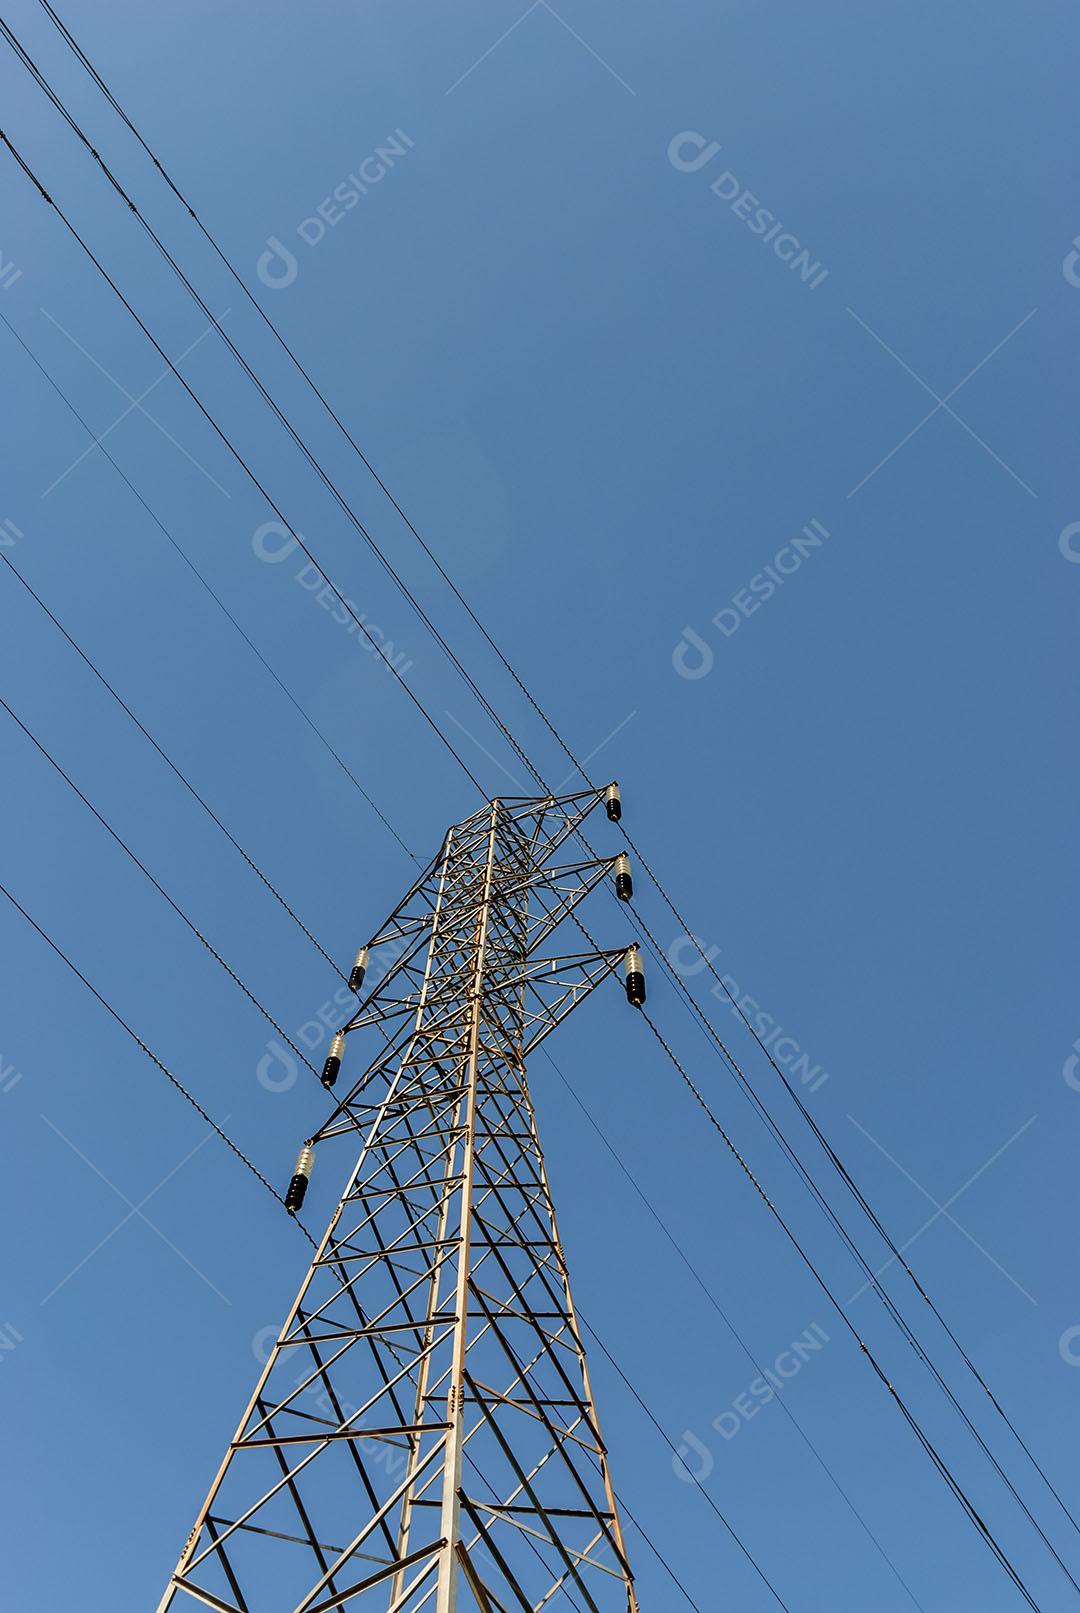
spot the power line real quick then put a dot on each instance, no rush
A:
(235, 452)
(471, 683)
(160, 1065)
(218, 601)
(935, 1456)
(235, 1149)
(833, 1157)
(151, 1055)
(170, 763)
(404, 1151)
(661, 1559)
(313, 461)
(122, 843)
(892, 1309)
(57, 102)
(729, 1324)
(872, 1277)
(293, 356)
(830, 1152)
(708, 1497)
(316, 465)
(645, 1407)
(839, 1166)
(670, 1444)
(937, 1460)
(115, 183)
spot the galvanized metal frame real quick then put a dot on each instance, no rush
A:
(424, 1434)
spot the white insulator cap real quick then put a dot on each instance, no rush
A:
(362, 958)
(305, 1161)
(632, 961)
(337, 1046)
(622, 863)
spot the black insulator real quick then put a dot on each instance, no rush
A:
(624, 884)
(333, 1060)
(294, 1198)
(613, 802)
(359, 970)
(305, 1162)
(635, 978)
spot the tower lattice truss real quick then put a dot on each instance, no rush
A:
(424, 1434)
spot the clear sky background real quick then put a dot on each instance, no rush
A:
(608, 405)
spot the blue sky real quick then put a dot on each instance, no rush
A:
(603, 389)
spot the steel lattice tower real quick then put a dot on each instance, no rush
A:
(424, 1433)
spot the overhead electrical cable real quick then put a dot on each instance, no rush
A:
(152, 1056)
(31, 175)
(235, 452)
(225, 1138)
(729, 1324)
(218, 601)
(469, 680)
(392, 1172)
(167, 759)
(327, 481)
(192, 926)
(661, 1559)
(873, 1281)
(833, 1158)
(838, 1165)
(938, 1460)
(872, 1277)
(654, 944)
(239, 1153)
(651, 1415)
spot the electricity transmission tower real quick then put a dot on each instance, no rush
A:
(424, 1433)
